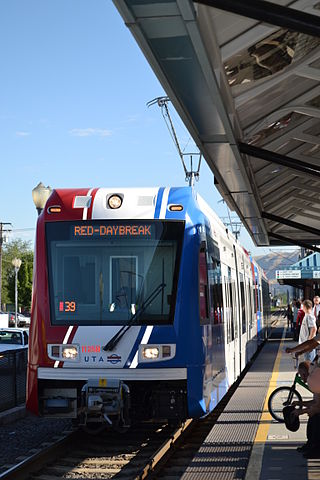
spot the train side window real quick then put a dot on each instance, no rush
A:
(265, 300)
(232, 304)
(243, 307)
(215, 283)
(227, 308)
(248, 303)
(203, 287)
(260, 300)
(255, 299)
(250, 296)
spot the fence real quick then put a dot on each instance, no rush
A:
(13, 373)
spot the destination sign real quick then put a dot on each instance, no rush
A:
(112, 231)
(282, 274)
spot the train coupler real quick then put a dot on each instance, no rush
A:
(105, 403)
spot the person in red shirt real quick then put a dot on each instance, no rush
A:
(300, 317)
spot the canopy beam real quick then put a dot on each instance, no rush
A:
(268, 12)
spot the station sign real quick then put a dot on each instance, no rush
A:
(316, 274)
(282, 274)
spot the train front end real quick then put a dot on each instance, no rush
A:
(105, 343)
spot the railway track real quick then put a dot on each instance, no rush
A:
(155, 451)
(145, 451)
(78, 455)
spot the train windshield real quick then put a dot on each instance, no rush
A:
(107, 272)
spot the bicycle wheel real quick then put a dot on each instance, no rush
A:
(280, 398)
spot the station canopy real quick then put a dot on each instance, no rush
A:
(244, 77)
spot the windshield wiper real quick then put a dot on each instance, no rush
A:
(117, 337)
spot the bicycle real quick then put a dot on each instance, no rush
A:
(283, 396)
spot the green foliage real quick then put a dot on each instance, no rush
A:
(20, 249)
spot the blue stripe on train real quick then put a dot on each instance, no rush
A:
(159, 202)
(135, 346)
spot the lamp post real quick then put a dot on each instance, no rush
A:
(16, 262)
(40, 195)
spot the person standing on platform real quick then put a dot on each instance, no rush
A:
(316, 309)
(308, 328)
(295, 309)
(299, 318)
(289, 316)
(312, 407)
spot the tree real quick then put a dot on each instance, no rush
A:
(20, 249)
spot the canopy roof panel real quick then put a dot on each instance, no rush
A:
(249, 94)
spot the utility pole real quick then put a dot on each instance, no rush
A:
(2, 231)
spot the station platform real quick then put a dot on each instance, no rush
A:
(246, 443)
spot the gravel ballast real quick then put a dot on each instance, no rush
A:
(22, 435)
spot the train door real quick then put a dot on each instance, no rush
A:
(250, 323)
(235, 319)
(248, 315)
(238, 313)
(232, 330)
(216, 351)
(229, 332)
(254, 329)
(258, 301)
(243, 322)
(205, 324)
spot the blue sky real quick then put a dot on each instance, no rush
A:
(74, 88)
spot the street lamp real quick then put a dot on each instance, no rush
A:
(16, 262)
(40, 195)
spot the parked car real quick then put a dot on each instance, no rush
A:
(22, 320)
(4, 319)
(13, 338)
(13, 349)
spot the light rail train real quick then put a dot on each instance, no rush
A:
(144, 307)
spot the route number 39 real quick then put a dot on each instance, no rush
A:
(67, 306)
(70, 306)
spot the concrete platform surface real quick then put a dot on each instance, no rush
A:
(246, 443)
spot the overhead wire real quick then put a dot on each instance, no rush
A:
(190, 174)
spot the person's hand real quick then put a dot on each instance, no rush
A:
(295, 404)
(288, 350)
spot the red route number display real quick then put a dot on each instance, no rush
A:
(67, 306)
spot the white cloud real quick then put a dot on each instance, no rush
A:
(132, 118)
(23, 134)
(90, 132)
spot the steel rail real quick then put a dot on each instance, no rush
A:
(163, 450)
(40, 459)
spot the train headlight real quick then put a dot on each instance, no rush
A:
(150, 353)
(115, 201)
(156, 352)
(70, 352)
(63, 352)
